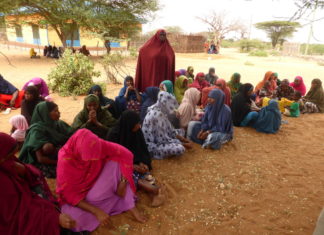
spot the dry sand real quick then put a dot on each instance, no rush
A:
(257, 184)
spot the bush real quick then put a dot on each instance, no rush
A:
(275, 53)
(114, 66)
(247, 45)
(248, 63)
(229, 43)
(314, 49)
(72, 75)
(258, 53)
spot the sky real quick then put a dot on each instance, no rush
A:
(184, 13)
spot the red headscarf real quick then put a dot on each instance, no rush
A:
(266, 78)
(22, 210)
(223, 86)
(156, 63)
(199, 84)
(80, 163)
(301, 87)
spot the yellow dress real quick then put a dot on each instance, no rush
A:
(282, 103)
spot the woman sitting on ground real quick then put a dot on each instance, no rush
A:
(314, 99)
(268, 77)
(211, 77)
(94, 118)
(162, 139)
(105, 102)
(10, 96)
(216, 127)
(19, 128)
(167, 86)
(299, 85)
(243, 113)
(41, 85)
(190, 74)
(128, 133)
(234, 84)
(284, 90)
(180, 86)
(27, 205)
(269, 118)
(187, 109)
(129, 97)
(151, 96)
(264, 94)
(200, 82)
(46, 134)
(31, 99)
(94, 181)
(221, 84)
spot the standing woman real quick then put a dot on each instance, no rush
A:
(46, 134)
(216, 127)
(156, 62)
(187, 109)
(94, 181)
(94, 118)
(162, 139)
(242, 112)
(234, 84)
(105, 102)
(299, 85)
(180, 86)
(314, 99)
(200, 82)
(129, 97)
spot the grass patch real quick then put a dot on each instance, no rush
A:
(258, 53)
(248, 63)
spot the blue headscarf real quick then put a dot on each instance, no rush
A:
(131, 94)
(151, 95)
(269, 120)
(217, 117)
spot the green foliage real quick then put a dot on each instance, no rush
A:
(114, 18)
(247, 45)
(173, 29)
(314, 49)
(278, 31)
(230, 43)
(258, 53)
(72, 75)
(248, 63)
(274, 53)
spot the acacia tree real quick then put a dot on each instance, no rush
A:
(112, 18)
(278, 31)
(219, 25)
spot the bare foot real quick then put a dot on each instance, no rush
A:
(138, 215)
(159, 199)
(66, 221)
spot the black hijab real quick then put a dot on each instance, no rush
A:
(241, 104)
(28, 106)
(134, 141)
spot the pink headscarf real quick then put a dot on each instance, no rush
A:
(43, 90)
(301, 87)
(223, 86)
(81, 161)
(21, 125)
(199, 84)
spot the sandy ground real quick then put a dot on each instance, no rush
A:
(257, 184)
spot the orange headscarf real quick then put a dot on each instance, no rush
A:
(266, 78)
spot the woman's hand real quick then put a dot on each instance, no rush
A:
(66, 221)
(92, 116)
(102, 216)
(203, 135)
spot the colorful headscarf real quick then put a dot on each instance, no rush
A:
(316, 95)
(200, 84)
(43, 89)
(301, 87)
(234, 84)
(81, 161)
(21, 125)
(266, 78)
(223, 86)
(187, 108)
(179, 90)
(168, 86)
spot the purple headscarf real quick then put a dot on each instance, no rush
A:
(39, 82)
(217, 117)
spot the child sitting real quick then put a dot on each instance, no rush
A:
(19, 128)
(294, 109)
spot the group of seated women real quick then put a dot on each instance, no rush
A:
(116, 139)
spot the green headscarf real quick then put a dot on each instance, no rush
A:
(103, 116)
(316, 95)
(43, 130)
(179, 90)
(191, 77)
(233, 84)
(169, 86)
